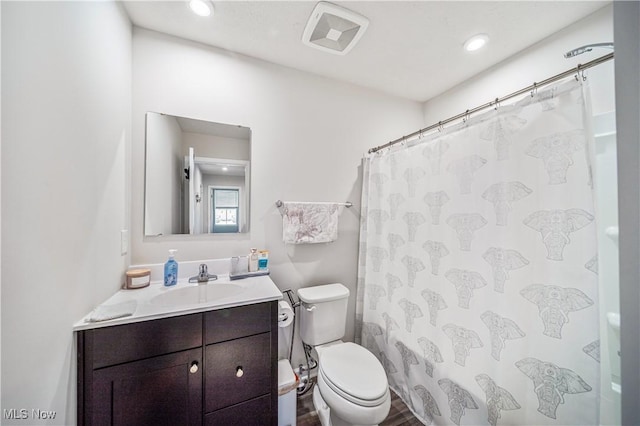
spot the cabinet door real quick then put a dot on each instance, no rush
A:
(237, 370)
(164, 390)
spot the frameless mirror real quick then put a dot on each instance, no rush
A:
(196, 176)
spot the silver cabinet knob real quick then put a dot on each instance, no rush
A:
(194, 367)
(239, 372)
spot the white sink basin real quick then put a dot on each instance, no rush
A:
(193, 295)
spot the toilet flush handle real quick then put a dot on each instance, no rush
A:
(309, 308)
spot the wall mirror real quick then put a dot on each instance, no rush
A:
(196, 176)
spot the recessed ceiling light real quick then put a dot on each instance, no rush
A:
(201, 7)
(476, 42)
(225, 168)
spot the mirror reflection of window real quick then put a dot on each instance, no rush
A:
(226, 206)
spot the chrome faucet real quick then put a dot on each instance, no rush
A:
(203, 275)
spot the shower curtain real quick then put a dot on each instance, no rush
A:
(477, 286)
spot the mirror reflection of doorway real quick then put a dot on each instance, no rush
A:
(225, 205)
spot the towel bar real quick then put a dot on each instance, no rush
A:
(346, 204)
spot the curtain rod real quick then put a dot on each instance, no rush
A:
(579, 68)
(280, 203)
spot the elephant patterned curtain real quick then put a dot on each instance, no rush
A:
(477, 286)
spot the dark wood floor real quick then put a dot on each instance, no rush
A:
(399, 414)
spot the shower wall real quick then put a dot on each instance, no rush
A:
(606, 179)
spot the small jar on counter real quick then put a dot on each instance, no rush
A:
(137, 278)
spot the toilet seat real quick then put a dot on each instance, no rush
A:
(355, 374)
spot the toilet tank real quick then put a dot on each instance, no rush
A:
(323, 313)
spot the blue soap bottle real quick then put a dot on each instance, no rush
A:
(171, 270)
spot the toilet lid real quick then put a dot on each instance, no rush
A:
(354, 373)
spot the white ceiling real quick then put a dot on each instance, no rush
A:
(218, 169)
(411, 49)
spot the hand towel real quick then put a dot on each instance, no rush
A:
(108, 312)
(309, 223)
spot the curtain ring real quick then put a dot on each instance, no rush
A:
(440, 126)
(421, 134)
(466, 117)
(579, 71)
(584, 76)
(534, 91)
(497, 104)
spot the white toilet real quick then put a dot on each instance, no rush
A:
(352, 387)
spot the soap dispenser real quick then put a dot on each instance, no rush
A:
(171, 270)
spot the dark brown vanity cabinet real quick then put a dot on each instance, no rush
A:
(245, 372)
(213, 368)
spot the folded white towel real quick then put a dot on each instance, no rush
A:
(108, 312)
(309, 223)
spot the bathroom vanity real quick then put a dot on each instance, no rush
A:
(212, 362)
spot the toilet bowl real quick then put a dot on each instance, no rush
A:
(352, 385)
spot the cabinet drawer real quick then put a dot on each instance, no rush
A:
(223, 386)
(129, 342)
(227, 324)
(257, 412)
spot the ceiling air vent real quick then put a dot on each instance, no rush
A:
(334, 29)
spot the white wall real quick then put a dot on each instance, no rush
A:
(217, 146)
(537, 63)
(308, 137)
(66, 92)
(164, 172)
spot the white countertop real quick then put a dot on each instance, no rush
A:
(157, 301)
